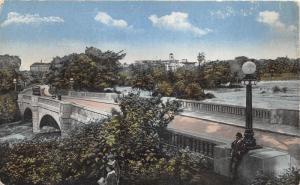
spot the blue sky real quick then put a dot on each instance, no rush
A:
(36, 30)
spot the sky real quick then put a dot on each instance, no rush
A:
(41, 30)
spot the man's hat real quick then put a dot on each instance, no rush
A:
(111, 162)
(239, 135)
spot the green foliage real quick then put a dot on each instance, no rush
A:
(101, 70)
(165, 88)
(194, 91)
(9, 110)
(290, 177)
(137, 135)
(80, 157)
(183, 83)
(6, 80)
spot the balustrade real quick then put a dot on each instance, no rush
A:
(27, 97)
(192, 143)
(224, 109)
(49, 102)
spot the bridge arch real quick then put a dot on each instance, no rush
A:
(27, 116)
(48, 120)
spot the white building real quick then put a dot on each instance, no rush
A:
(39, 67)
(171, 64)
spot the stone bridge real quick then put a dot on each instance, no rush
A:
(207, 137)
(61, 115)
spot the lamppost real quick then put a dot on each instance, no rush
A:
(15, 83)
(249, 69)
(72, 83)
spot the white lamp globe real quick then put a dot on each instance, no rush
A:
(249, 68)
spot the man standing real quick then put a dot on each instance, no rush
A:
(238, 149)
(111, 177)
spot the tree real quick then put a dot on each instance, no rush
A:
(101, 70)
(165, 88)
(136, 133)
(200, 58)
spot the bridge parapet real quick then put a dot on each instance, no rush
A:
(191, 105)
(273, 116)
(104, 96)
(197, 143)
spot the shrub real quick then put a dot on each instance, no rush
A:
(209, 95)
(284, 89)
(289, 177)
(194, 91)
(59, 161)
(277, 89)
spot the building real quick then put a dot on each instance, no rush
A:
(171, 64)
(187, 65)
(39, 67)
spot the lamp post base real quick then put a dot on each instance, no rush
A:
(249, 139)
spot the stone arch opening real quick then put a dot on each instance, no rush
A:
(27, 115)
(49, 124)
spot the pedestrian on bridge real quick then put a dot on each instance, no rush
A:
(238, 149)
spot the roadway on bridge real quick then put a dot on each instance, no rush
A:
(200, 127)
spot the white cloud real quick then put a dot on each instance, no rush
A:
(16, 18)
(177, 21)
(272, 19)
(223, 14)
(106, 19)
(228, 11)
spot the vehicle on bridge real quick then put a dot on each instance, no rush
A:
(41, 90)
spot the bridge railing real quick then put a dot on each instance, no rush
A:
(198, 144)
(27, 97)
(258, 113)
(87, 115)
(54, 104)
(103, 96)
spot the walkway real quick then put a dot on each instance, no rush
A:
(240, 122)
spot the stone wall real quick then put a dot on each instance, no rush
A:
(265, 160)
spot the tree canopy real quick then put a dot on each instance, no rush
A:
(93, 70)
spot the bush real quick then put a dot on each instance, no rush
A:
(284, 89)
(78, 158)
(290, 177)
(277, 89)
(194, 91)
(209, 95)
